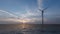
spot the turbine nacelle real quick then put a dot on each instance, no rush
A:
(43, 9)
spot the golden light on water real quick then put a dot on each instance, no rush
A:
(24, 21)
(22, 26)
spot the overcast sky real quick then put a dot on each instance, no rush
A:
(27, 11)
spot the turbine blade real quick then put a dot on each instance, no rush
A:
(45, 9)
(40, 10)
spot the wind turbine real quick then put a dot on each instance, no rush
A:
(42, 13)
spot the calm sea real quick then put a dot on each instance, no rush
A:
(29, 29)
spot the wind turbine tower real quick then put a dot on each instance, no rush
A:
(42, 14)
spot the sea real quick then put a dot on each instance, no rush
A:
(29, 29)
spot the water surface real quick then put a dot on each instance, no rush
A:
(29, 29)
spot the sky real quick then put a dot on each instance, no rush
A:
(27, 11)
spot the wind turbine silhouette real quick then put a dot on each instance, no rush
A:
(42, 14)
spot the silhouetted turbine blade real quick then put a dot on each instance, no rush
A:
(45, 9)
(40, 10)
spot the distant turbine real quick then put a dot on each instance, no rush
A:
(42, 11)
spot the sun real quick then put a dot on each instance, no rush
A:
(24, 20)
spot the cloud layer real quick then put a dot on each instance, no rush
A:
(28, 17)
(39, 3)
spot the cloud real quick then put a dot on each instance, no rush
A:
(6, 14)
(30, 13)
(39, 2)
(24, 18)
(9, 21)
(16, 21)
(28, 17)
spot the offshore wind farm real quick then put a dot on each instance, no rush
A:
(29, 16)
